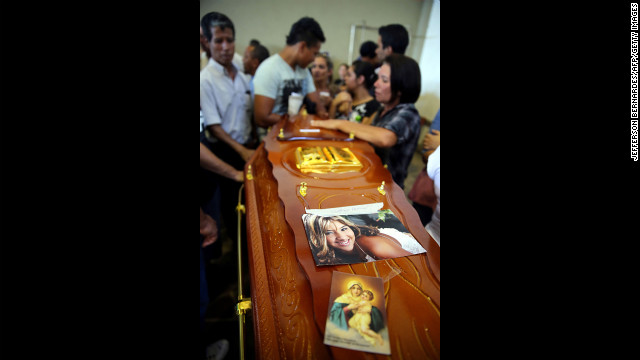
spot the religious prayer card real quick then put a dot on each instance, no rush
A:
(357, 317)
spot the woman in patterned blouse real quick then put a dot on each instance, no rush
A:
(395, 128)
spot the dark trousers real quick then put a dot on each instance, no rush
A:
(227, 199)
(425, 213)
(204, 302)
(228, 188)
(210, 203)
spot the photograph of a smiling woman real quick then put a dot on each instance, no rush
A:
(351, 239)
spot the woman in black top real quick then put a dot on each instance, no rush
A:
(357, 104)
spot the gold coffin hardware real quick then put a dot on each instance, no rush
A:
(243, 306)
(326, 159)
(303, 189)
(381, 189)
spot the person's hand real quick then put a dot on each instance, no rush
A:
(239, 176)
(326, 100)
(321, 108)
(342, 97)
(425, 156)
(326, 124)
(322, 112)
(208, 229)
(344, 108)
(246, 154)
(342, 102)
(432, 141)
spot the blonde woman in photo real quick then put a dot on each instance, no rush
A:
(337, 240)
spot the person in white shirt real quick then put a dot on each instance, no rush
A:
(433, 170)
(254, 55)
(205, 55)
(286, 72)
(225, 96)
(225, 102)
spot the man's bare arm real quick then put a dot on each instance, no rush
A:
(211, 162)
(321, 110)
(220, 134)
(262, 111)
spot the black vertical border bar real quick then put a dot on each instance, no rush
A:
(634, 10)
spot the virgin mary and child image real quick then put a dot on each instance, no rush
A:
(356, 318)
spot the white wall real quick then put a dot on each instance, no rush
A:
(429, 101)
(269, 21)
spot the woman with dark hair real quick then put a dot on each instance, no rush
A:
(356, 104)
(395, 128)
(342, 72)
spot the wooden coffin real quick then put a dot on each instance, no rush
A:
(289, 293)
